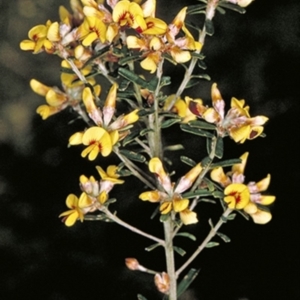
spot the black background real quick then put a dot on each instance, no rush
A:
(255, 56)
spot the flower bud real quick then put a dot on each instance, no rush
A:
(134, 265)
(162, 282)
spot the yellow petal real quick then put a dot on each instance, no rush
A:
(180, 204)
(150, 63)
(39, 88)
(111, 97)
(250, 208)
(46, 111)
(238, 195)
(27, 45)
(239, 135)
(267, 200)
(102, 198)
(89, 39)
(152, 196)
(37, 32)
(240, 168)
(165, 208)
(76, 138)
(84, 201)
(188, 217)
(263, 184)
(55, 99)
(72, 218)
(180, 56)
(255, 132)
(219, 176)
(261, 217)
(72, 201)
(53, 32)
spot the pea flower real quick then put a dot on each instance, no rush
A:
(162, 282)
(170, 198)
(248, 197)
(237, 123)
(103, 118)
(78, 208)
(97, 140)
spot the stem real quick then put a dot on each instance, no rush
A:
(170, 261)
(136, 171)
(211, 234)
(210, 12)
(154, 121)
(130, 227)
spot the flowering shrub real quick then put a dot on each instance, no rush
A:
(124, 44)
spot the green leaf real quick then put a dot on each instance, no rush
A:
(195, 80)
(210, 184)
(132, 77)
(224, 237)
(187, 235)
(141, 297)
(170, 122)
(207, 200)
(210, 223)
(211, 244)
(145, 131)
(197, 55)
(196, 131)
(201, 76)
(218, 194)
(99, 217)
(201, 64)
(179, 250)
(188, 161)
(165, 80)
(242, 214)
(145, 112)
(124, 173)
(128, 59)
(186, 281)
(231, 217)
(129, 138)
(152, 247)
(174, 147)
(133, 156)
(205, 161)
(201, 125)
(221, 10)
(209, 26)
(219, 148)
(233, 7)
(197, 193)
(152, 84)
(226, 163)
(164, 218)
(196, 9)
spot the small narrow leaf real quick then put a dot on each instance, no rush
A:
(233, 7)
(202, 125)
(188, 161)
(165, 80)
(196, 131)
(186, 281)
(145, 112)
(197, 55)
(133, 156)
(211, 244)
(152, 247)
(219, 148)
(231, 217)
(179, 250)
(174, 147)
(132, 77)
(164, 218)
(170, 122)
(226, 163)
(210, 223)
(201, 64)
(129, 138)
(141, 297)
(197, 193)
(218, 194)
(126, 60)
(207, 200)
(221, 10)
(145, 131)
(187, 235)
(209, 26)
(224, 237)
(152, 84)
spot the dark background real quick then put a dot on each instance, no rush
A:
(255, 56)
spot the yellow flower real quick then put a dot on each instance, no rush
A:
(110, 174)
(125, 13)
(77, 208)
(237, 195)
(97, 139)
(92, 29)
(41, 37)
(237, 192)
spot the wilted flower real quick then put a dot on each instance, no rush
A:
(162, 282)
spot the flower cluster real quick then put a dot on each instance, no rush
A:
(169, 196)
(247, 197)
(94, 195)
(237, 123)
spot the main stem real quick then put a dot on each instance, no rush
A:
(170, 261)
